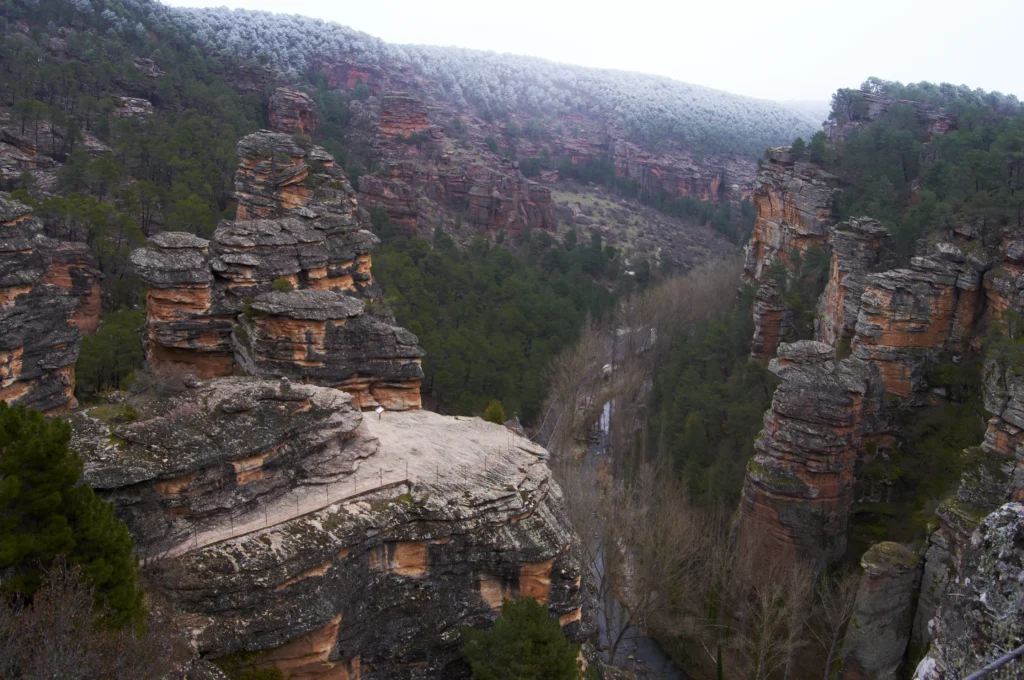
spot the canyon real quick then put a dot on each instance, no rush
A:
(843, 395)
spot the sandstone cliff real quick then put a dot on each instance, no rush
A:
(218, 307)
(49, 295)
(794, 202)
(276, 519)
(798, 493)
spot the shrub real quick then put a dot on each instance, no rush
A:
(495, 412)
(525, 643)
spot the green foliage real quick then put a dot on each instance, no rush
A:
(490, 320)
(525, 643)
(282, 285)
(927, 463)
(708, 402)
(45, 512)
(495, 412)
(973, 175)
(242, 666)
(798, 149)
(110, 355)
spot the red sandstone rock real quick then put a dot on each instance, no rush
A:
(798, 494)
(859, 246)
(773, 322)
(794, 204)
(906, 316)
(39, 338)
(292, 112)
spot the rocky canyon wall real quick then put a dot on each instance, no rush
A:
(831, 415)
(49, 296)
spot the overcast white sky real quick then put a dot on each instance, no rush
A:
(774, 49)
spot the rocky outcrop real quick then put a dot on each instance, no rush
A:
(993, 477)
(493, 198)
(292, 112)
(773, 322)
(310, 239)
(794, 202)
(327, 338)
(185, 327)
(275, 519)
(982, 616)
(906, 317)
(402, 116)
(879, 630)
(48, 296)
(866, 107)
(798, 493)
(859, 246)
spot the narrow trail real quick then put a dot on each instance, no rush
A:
(417, 449)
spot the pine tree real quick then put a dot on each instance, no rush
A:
(495, 412)
(525, 643)
(45, 512)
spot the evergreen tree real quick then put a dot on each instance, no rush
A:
(525, 643)
(45, 512)
(495, 412)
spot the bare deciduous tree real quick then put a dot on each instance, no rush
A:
(836, 598)
(59, 635)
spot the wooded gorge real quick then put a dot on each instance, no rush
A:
(262, 275)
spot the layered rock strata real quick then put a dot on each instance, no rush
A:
(879, 630)
(48, 296)
(292, 112)
(310, 240)
(794, 202)
(906, 317)
(185, 328)
(276, 519)
(982, 616)
(798, 493)
(773, 322)
(327, 338)
(859, 246)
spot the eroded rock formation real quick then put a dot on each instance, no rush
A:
(773, 322)
(292, 112)
(906, 316)
(859, 246)
(883, 614)
(794, 202)
(49, 295)
(276, 519)
(310, 240)
(798, 493)
(328, 338)
(982, 615)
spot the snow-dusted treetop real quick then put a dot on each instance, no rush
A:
(651, 107)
